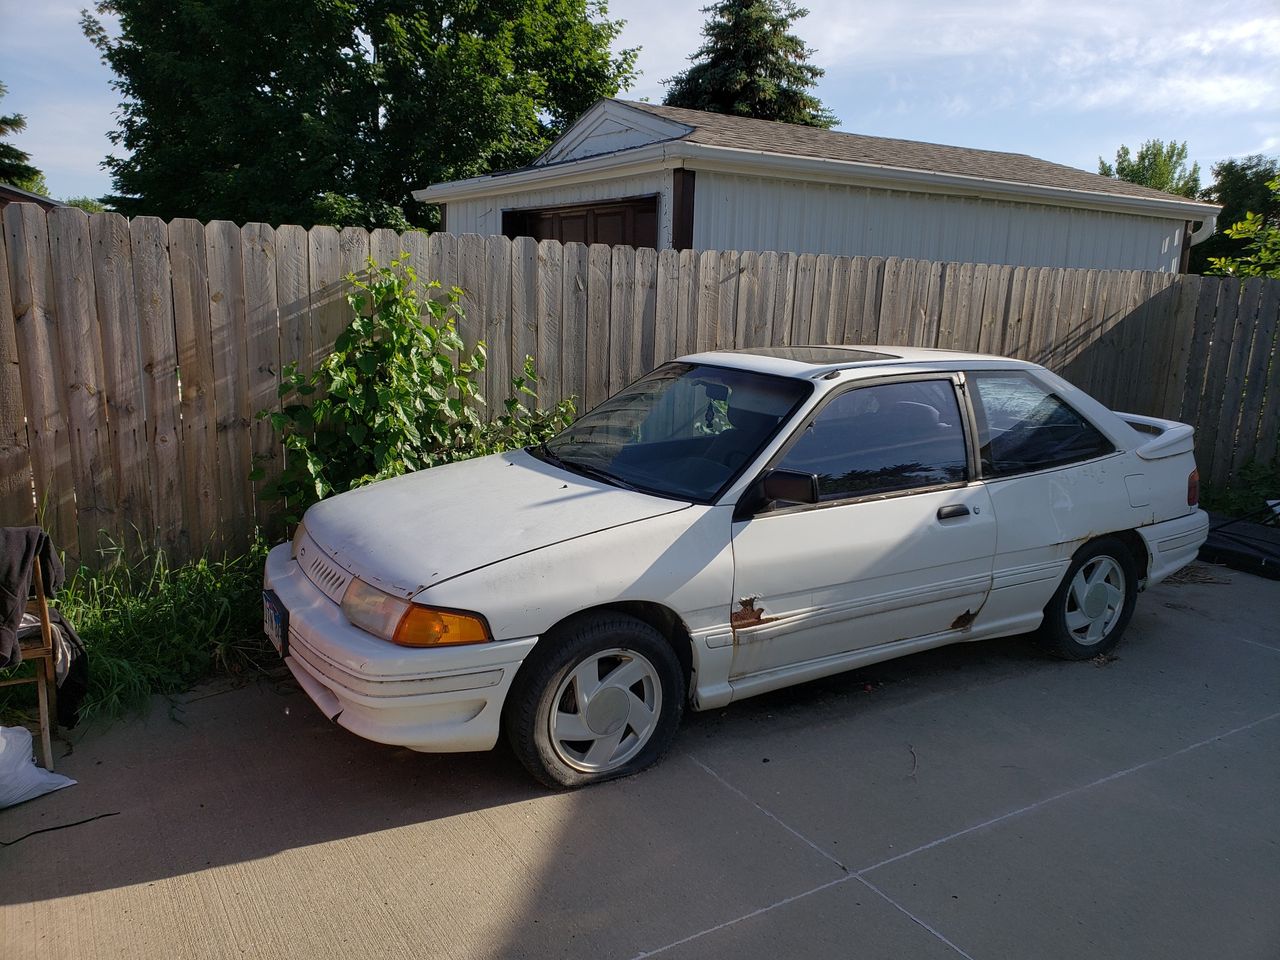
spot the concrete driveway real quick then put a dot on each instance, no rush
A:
(980, 801)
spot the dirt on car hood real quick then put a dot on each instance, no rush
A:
(407, 534)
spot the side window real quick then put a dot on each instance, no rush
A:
(880, 439)
(1023, 427)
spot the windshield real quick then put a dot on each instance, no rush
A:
(686, 430)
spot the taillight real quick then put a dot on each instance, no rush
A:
(1193, 488)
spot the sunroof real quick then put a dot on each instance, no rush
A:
(818, 354)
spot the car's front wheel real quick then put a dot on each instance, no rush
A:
(1094, 602)
(598, 700)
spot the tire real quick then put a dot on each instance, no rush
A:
(634, 688)
(1093, 604)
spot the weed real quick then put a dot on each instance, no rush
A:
(1253, 485)
(149, 627)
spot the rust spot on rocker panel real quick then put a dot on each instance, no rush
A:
(748, 614)
(965, 620)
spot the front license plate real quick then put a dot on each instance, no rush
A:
(275, 621)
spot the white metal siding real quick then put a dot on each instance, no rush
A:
(759, 213)
(485, 216)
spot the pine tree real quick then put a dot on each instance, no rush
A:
(15, 168)
(750, 65)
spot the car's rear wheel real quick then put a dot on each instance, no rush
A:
(599, 700)
(1093, 604)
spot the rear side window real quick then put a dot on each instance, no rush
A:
(1024, 427)
(883, 439)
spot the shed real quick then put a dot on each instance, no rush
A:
(648, 175)
(11, 194)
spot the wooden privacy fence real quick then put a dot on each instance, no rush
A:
(134, 354)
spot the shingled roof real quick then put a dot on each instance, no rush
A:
(746, 133)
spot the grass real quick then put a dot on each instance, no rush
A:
(151, 628)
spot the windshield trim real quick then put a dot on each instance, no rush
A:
(543, 453)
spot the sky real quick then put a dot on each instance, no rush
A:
(1063, 81)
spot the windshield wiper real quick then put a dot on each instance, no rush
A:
(574, 466)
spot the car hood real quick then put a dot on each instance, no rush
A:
(409, 533)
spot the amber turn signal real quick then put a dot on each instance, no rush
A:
(427, 627)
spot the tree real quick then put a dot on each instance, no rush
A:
(87, 204)
(1261, 254)
(333, 110)
(15, 165)
(750, 65)
(1240, 185)
(1158, 165)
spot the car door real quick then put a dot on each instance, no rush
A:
(1055, 482)
(899, 545)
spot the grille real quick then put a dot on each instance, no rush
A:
(330, 578)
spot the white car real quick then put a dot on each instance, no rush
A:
(732, 523)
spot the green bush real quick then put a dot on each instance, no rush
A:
(398, 393)
(1261, 256)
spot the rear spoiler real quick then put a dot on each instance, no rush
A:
(1168, 437)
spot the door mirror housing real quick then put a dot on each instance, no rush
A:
(790, 486)
(784, 486)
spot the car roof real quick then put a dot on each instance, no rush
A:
(812, 361)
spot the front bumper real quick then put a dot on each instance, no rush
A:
(442, 700)
(1173, 544)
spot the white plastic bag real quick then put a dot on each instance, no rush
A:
(20, 778)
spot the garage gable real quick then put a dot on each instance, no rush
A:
(608, 127)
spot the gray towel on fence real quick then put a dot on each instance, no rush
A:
(19, 547)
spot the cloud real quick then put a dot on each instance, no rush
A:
(1170, 56)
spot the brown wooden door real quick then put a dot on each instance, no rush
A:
(633, 222)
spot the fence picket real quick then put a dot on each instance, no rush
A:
(1267, 390)
(1247, 331)
(79, 354)
(293, 296)
(385, 245)
(328, 293)
(831, 326)
(995, 309)
(262, 324)
(621, 316)
(550, 333)
(153, 289)
(27, 247)
(471, 279)
(1225, 333)
(498, 334)
(708, 315)
(129, 451)
(573, 357)
(802, 310)
(229, 337)
(687, 304)
(192, 324)
(759, 326)
(17, 496)
(599, 262)
(727, 301)
(524, 303)
(644, 296)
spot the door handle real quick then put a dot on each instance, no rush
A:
(952, 511)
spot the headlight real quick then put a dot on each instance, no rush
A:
(410, 624)
(296, 541)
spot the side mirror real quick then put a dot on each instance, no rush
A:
(790, 485)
